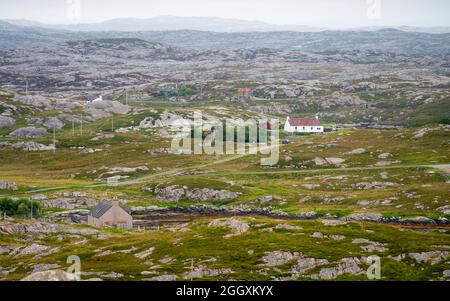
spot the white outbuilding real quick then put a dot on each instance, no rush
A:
(303, 125)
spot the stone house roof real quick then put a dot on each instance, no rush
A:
(104, 206)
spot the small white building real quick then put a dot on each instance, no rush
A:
(303, 125)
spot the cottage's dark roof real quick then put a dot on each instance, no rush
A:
(104, 206)
(304, 122)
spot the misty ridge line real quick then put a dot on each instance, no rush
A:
(209, 24)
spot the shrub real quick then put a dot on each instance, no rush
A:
(19, 207)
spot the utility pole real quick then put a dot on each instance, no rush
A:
(54, 140)
(81, 124)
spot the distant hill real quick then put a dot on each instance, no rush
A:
(384, 40)
(167, 23)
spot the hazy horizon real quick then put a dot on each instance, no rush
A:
(320, 13)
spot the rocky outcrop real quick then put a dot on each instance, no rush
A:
(32, 250)
(165, 278)
(150, 123)
(51, 275)
(29, 146)
(277, 258)
(144, 254)
(53, 122)
(370, 246)
(101, 109)
(29, 132)
(69, 203)
(35, 101)
(203, 271)
(364, 217)
(271, 109)
(43, 228)
(432, 257)
(237, 225)
(7, 185)
(44, 267)
(176, 193)
(356, 151)
(6, 122)
(374, 185)
(345, 266)
(304, 264)
(329, 161)
(122, 170)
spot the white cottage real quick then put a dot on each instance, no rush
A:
(303, 125)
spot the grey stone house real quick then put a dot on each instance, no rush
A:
(111, 214)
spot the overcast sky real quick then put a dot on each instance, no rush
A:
(325, 13)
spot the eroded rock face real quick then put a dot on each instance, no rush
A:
(51, 275)
(176, 193)
(29, 132)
